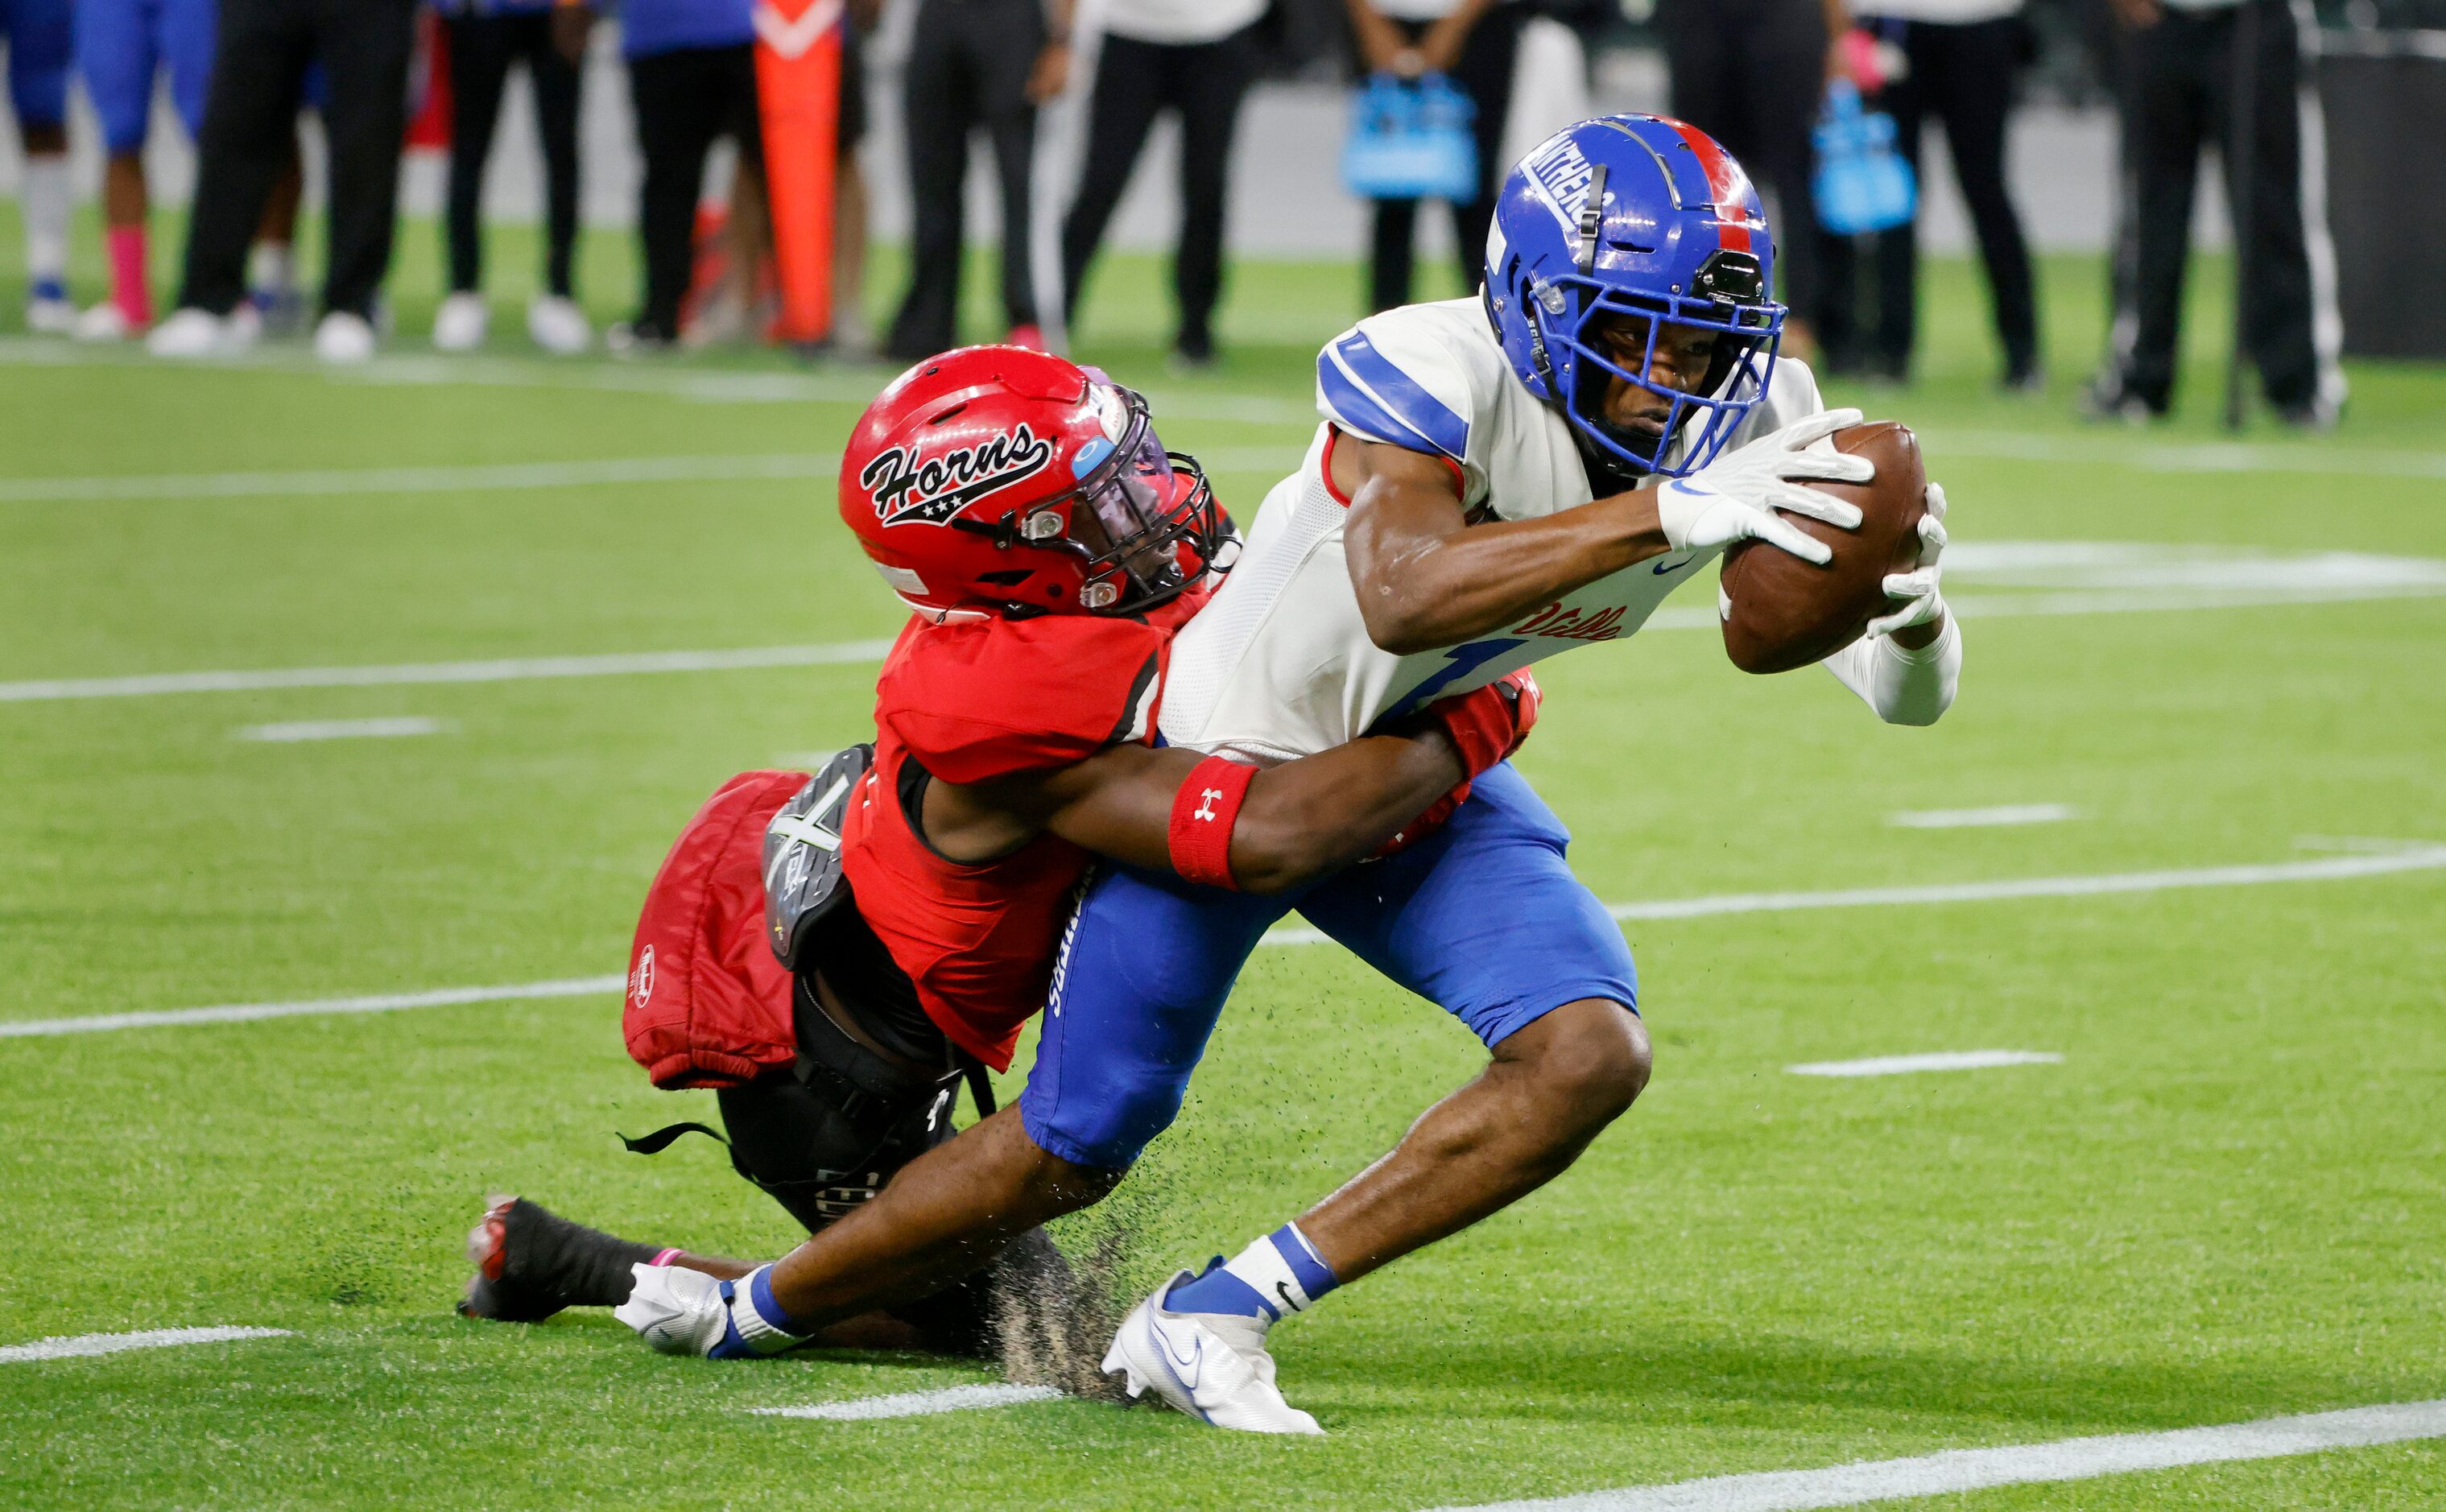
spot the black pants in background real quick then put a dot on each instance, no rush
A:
(1483, 72)
(250, 129)
(483, 48)
(2179, 100)
(1751, 74)
(1136, 81)
(1963, 76)
(685, 99)
(968, 62)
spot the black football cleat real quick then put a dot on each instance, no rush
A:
(531, 1262)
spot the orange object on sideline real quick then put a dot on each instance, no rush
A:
(797, 91)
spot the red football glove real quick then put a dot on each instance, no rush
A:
(1487, 725)
(1490, 723)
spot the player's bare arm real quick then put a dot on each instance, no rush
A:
(1427, 579)
(1297, 822)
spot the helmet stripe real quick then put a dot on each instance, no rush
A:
(1726, 181)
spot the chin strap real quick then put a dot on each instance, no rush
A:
(1591, 221)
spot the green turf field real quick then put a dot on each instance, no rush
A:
(2222, 1205)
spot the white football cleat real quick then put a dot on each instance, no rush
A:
(1212, 1366)
(192, 332)
(343, 337)
(558, 324)
(460, 323)
(104, 322)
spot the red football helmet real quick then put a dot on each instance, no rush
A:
(994, 478)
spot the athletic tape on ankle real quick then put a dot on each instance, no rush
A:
(1203, 813)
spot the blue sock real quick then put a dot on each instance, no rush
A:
(1216, 1290)
(1279, 1273)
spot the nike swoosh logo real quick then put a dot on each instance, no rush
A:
(1188, 1368)
(1285, 1289)
(1664, 567)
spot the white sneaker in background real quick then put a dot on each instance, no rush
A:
(1212, 1366)
(344, 338)
(104, 322)
(558, 324)
(460, 323)
(48, 316)
(193, 332)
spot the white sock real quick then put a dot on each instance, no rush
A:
(42, 201)
(1290, 1282)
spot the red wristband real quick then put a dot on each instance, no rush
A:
(1202, 815)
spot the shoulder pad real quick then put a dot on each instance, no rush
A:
(977, 701)
(802, 863)
(1396, 380)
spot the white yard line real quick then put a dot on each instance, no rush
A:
(247, 1012)
(83, 1344)
(913, 1404)
(2204, 457)
(716, 385)
(517, 668)
(708, 385)
(1936, 1061)
(394, 728)
(1959, 1470)
(1982, 818)
(2408, 856)
(1972, 606)
(342, 484)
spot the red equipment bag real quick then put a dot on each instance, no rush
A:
(708, 1003)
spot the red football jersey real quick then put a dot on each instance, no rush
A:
(964, 702)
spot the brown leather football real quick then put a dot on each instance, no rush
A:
(1784, 612)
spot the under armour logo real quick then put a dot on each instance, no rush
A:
(1206, 807)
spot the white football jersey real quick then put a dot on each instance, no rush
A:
(1279, 664)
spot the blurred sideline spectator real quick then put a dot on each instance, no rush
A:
(2177, 98)
(691, 80)
(1197, 57)
(1751, 74)
(248, 140)
(120, 46)
(1473, 43)
(971, 64)
(39, 46)
(853, 335)
(1953, 62)
(486, 38)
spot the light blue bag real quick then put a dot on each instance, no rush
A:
(1411, 142)
(1862, 183)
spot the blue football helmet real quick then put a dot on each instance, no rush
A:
(1645, 218)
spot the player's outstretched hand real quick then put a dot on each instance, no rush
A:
(1735, 497)
(1921, 600)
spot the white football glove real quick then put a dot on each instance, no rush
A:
(1918, 587)
(676, 1310)
(683, 1312)
(1735, 497)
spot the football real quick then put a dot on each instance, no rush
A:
(1779, 612)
